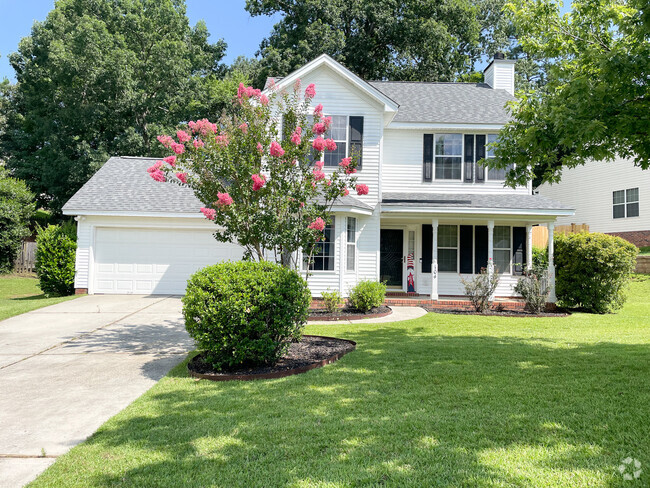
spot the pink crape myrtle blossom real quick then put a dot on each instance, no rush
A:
(170, 160)
(345, 162)
(203, 127)
(222, 140)
(327, 121)
(260, 148)
(349, 170)
(276, 150)
(166, 141)
(244, 128)
(155, 167)
(264, 100)
(319, 164)
(362, 189)
(182, 177)
(310, 91)
(178, 148)
(319, 128)
(183, 136)
(224, 199)
(198, 143)
(346, 192)
(318, 175)
(158, 175)
(328, 182)
(209, 213)
(258, 181)
(330, 144)
(295, 137)
(318, 224)
(297, 85)
(318, 144)
(318, 110)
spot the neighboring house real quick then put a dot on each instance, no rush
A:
(610, 197)
(430, 204)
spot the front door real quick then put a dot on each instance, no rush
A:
(391, 253)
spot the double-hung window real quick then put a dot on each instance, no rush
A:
(448, 156)
(626, 203)
(495, 174)
(347, 133)
(502, 249)
(323, 257)
(351, 246)
(448, 248)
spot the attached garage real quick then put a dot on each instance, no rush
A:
(153, 261)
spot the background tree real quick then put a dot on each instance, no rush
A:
(16, 209)
(594, 105)
(99, 78)
(376, 39)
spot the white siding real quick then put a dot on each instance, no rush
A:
(402, 168)
(589, 190)
(501, 75)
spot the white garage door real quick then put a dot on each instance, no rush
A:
(154, 261)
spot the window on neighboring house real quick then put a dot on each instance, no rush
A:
(323, 257)
(351, 249)
(448, 248)
(626, 203)
(502, 249)
(448, 156)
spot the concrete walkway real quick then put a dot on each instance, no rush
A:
(66, 369)
(399, 314)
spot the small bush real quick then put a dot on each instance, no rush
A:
(245, 313)
(593, 270)
(480, 289)
(540, 257)
(16, 210)
(56, 246)
(534, 289)
(367, 295)
(333, 300)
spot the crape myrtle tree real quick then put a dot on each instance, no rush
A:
(257, 172)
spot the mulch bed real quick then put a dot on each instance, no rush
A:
(349, 314)
(310, 353)
(499, 313)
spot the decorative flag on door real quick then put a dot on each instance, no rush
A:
(410, 276)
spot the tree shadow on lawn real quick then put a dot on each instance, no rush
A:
(404, 409)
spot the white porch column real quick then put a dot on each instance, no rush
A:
(490, 226)
(434, 260)
(551, 266)
(529, 247)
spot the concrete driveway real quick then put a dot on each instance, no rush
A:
(66, 369)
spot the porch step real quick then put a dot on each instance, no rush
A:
(451, 303)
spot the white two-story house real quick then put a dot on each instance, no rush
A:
(432, 216)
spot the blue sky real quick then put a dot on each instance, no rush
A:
(225, 19)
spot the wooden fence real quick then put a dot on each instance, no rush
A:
(540, 233)
(26, 257)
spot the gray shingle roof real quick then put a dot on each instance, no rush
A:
(455, 103)
(122, 184)
(472, 200)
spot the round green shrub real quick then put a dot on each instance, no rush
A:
(16, 209)
(367, 295)
(593, 270)
(56, 246)
(245, 313)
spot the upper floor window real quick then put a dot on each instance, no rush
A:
(457, 156)
(323, 257)
(347, 132)
(626, 203)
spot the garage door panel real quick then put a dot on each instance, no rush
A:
(154, 261)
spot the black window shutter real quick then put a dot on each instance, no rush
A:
(427, 158)
(518, 250)
(480, 248)
(356, 139)
(469, 157)
(427, 247)
(480, 154)
(466, 248)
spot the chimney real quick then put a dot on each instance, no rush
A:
(500, 73)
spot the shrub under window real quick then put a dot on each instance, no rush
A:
(367, 295)
(245, 313)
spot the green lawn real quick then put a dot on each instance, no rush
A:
(450, 401)
(644, 251)
(20, 294)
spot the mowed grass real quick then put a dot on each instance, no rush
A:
(21, 293)
(445, 400)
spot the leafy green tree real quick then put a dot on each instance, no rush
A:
(377, 39)
(594, 105)
(16, 209)
(99, 78)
